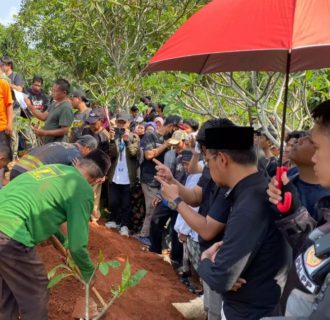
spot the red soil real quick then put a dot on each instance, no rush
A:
(151, 299)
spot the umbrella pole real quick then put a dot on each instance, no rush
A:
(286, 88)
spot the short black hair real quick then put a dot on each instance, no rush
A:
(101, 159)
(37, 79)
(63, 84)
(134, 108)
(192, 123)
(161, 106)
(143, 99)
(321, 115)
(92, 168)
(212, 123)
(8, 61)
(296, 134)
(244, 157)
(153, 106)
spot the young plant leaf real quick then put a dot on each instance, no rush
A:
(57, 279)
(125, 276)
(113, 264)
(104, 268)
(52, 272)
(136, 278)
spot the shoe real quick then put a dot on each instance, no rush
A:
(191, 310)
(124, 231)
(112, 225)
(144, 240)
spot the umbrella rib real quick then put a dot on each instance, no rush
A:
(205, 62)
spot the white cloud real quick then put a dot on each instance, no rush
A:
(8, 19)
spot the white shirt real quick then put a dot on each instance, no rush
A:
(180, 225)
(121, 172)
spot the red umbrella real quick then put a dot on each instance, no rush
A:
(246, 35)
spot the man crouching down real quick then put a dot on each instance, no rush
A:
(33, 206)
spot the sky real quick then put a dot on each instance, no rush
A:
(8, 9)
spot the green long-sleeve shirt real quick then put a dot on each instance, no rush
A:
(36, 203)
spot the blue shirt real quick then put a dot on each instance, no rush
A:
(310, 194)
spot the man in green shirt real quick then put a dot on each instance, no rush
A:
(33, 206)
(59, 117)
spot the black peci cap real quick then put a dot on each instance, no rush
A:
(229, 138)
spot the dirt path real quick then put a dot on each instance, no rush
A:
(150, 300)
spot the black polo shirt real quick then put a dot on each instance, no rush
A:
(252, 249)
(214, 204)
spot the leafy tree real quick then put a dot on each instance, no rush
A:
(105, 43)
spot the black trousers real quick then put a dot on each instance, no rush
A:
(5, 140)
(160, 217)
(120, 203)
(23, 282)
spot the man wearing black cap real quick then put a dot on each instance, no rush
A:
(246, 268)
(212, 215)
(95, 129)
(154, 147)
(124, 153)
(78, 100)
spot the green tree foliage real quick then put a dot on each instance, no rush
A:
(103, 46)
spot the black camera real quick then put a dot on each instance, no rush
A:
(119, 132)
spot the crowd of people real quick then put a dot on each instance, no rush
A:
(206, 192)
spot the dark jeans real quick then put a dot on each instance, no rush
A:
(5, 139)
(23, 282)
(120, 203)
(158, 221)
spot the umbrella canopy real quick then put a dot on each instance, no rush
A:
(250, 35)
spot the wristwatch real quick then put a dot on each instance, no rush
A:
(173, 204)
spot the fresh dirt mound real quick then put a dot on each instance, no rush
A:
(151, 299)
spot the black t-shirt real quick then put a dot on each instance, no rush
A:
(252, 249)
(17, 80)
(219, 210)
(148, 171)
(179, 172)
(102, 138)
(39, 100)
(208, 189)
